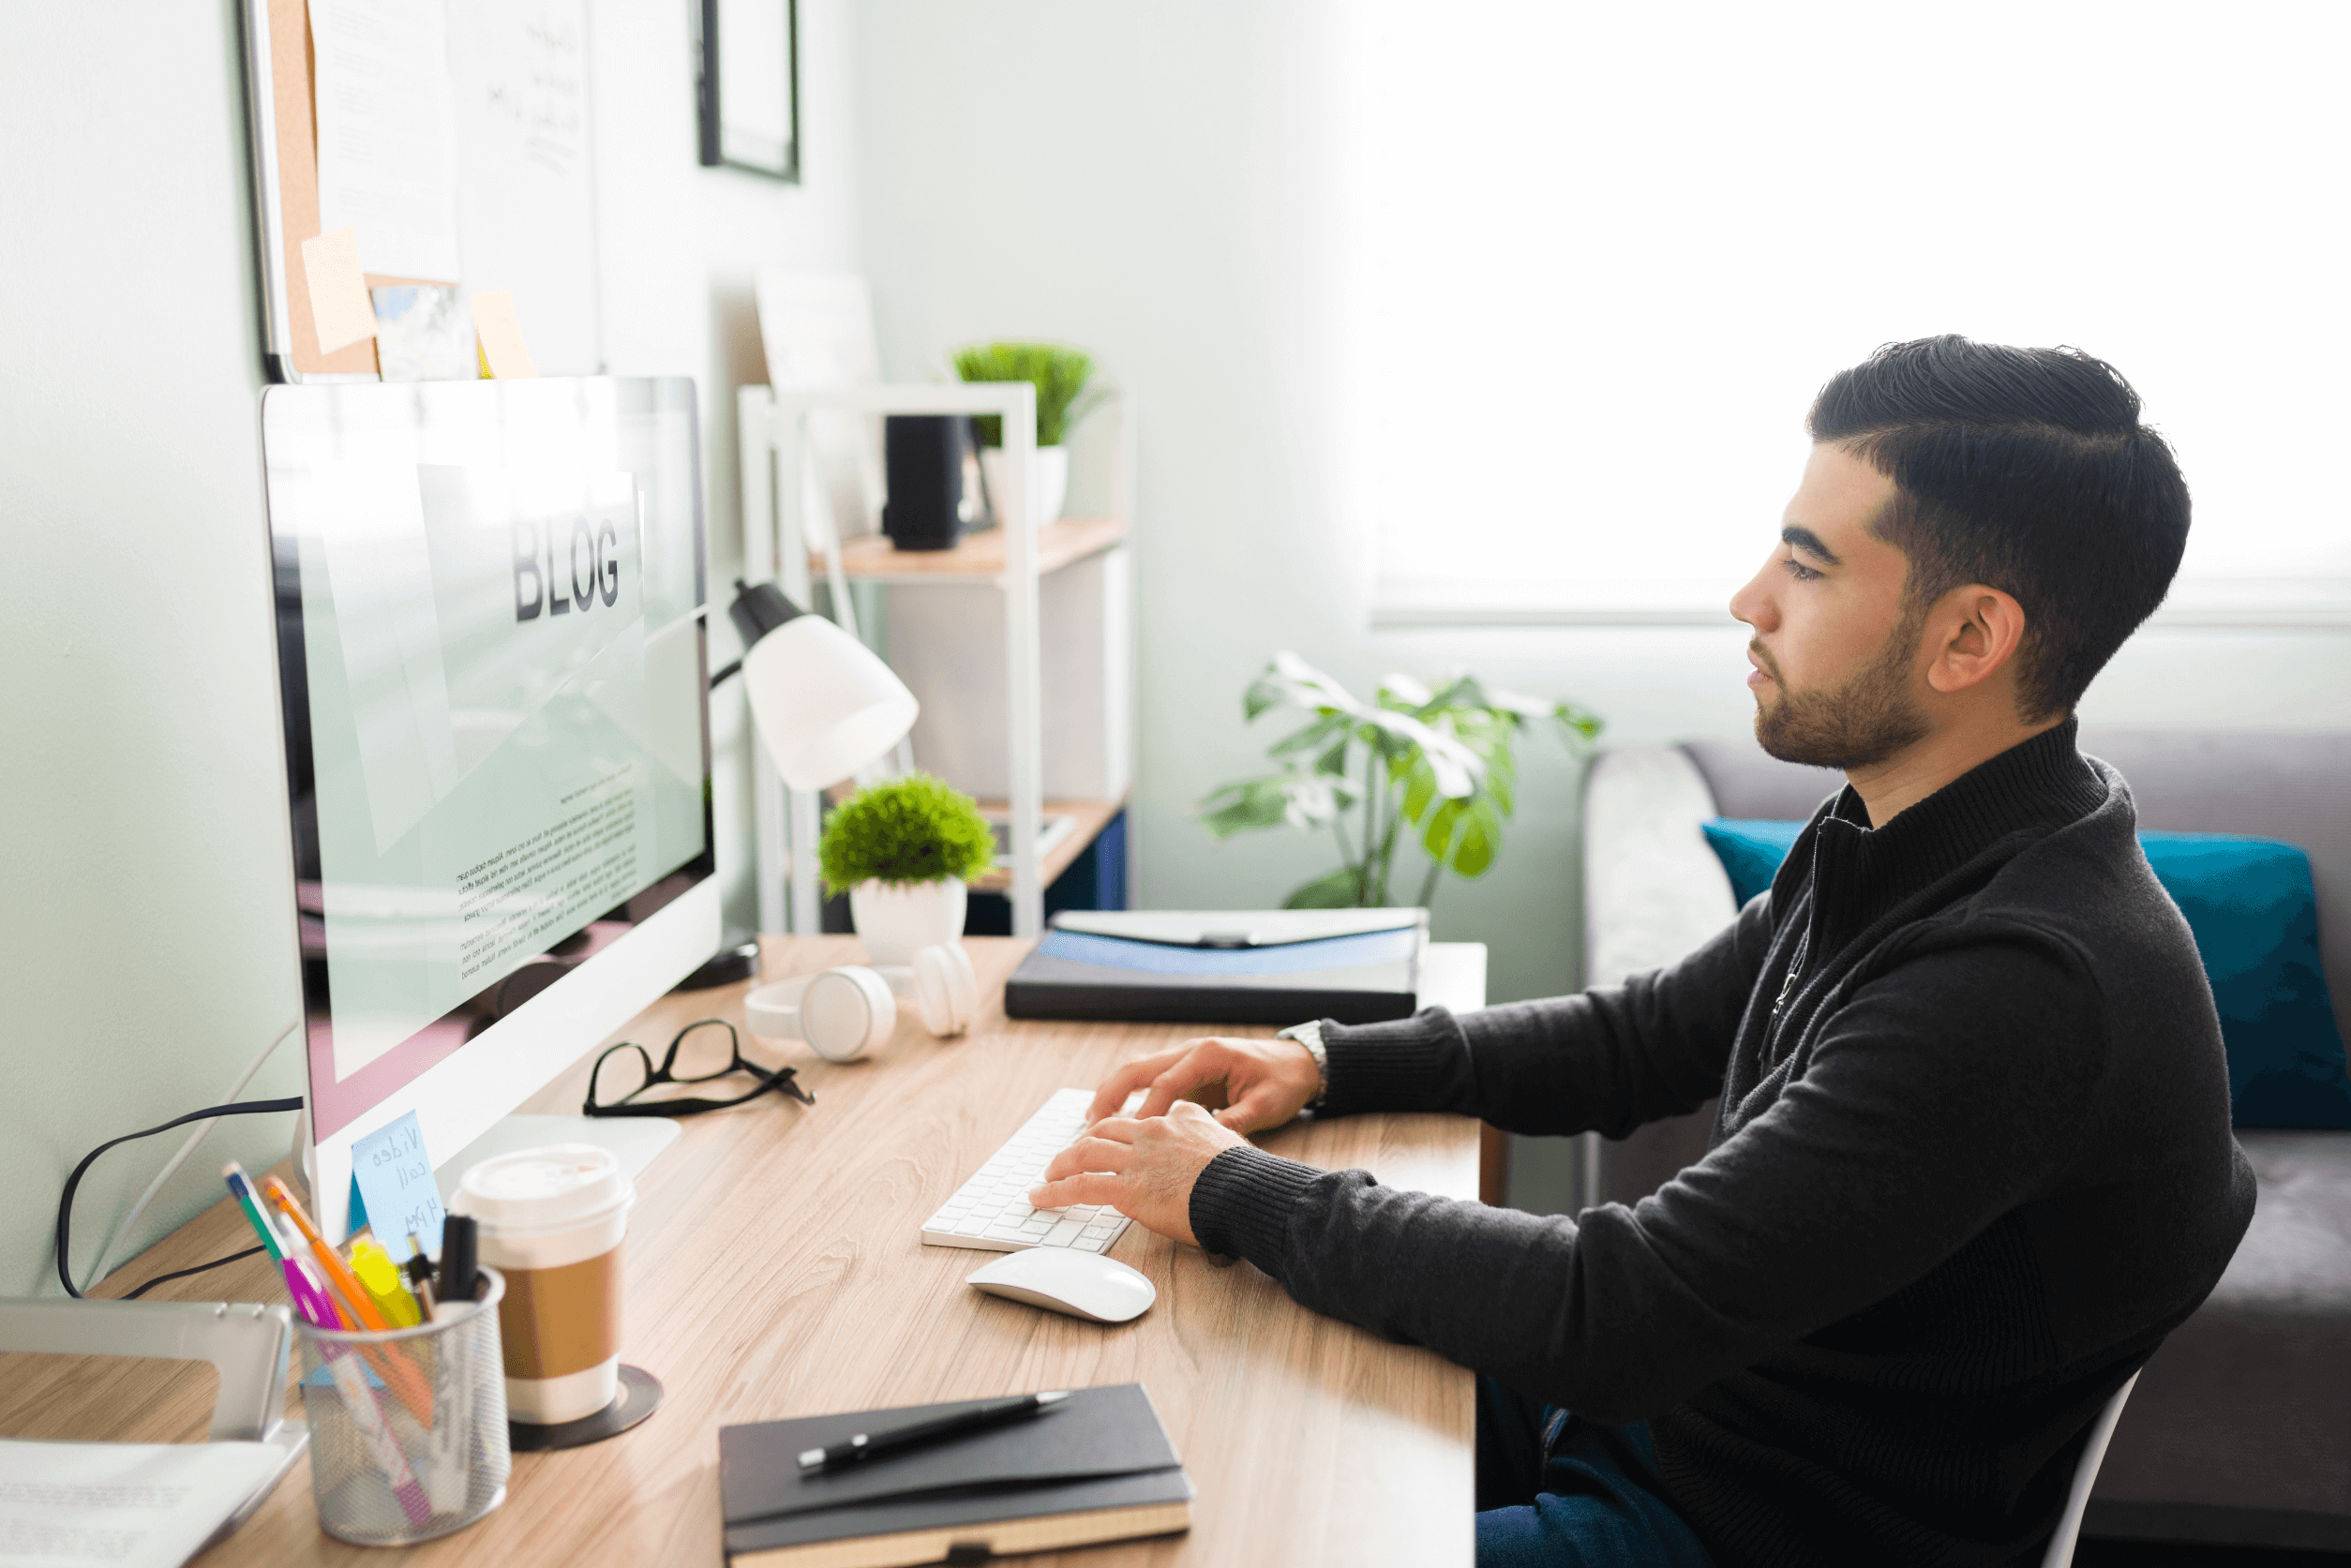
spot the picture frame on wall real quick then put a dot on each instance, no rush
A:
(748, 96)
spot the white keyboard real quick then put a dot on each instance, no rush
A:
(991, 1211)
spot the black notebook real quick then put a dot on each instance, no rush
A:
(1096, 1467)
(1227, 966)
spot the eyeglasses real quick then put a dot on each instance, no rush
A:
(693, 1058)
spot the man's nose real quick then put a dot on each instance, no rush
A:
(1753, 605)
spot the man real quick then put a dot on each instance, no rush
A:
(1973, 1157)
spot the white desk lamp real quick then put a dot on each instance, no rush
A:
(825, 707)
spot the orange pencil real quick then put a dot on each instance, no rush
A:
(338, 1272)
(396, 1370)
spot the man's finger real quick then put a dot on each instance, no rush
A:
(1090, 1186)
(1089, 1154)
(1134, 1076)
(1202, 1066)
(1260, 1107)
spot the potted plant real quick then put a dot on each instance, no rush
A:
(1060, 376)
(902, 851)
(1436, 761)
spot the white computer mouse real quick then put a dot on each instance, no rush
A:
(1082, 1284)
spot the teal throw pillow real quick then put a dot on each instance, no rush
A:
(1750, 850)
(2254, 915)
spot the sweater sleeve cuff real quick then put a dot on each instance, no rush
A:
(1402, 1064)
(1241, 1205)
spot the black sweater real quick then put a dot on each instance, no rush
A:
(1972, 1163)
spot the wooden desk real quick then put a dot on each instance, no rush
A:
(775, 1269)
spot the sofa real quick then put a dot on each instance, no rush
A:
(2239, 1430)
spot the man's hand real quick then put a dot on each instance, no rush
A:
(1250, 1085)
(1146, 1169)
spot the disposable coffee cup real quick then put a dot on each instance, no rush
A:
(552, 1221)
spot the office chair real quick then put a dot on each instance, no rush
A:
(2061, 1552)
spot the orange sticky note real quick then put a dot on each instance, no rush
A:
(503, 352)
(339, 306)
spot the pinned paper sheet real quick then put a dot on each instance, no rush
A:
(394, 1178)
(339, 306)
(504, 357)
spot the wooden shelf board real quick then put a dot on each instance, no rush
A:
(977, 555)
(1091, 817)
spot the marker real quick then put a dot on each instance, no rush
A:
(460, 1275)
(381, 1279)
(311, 1298)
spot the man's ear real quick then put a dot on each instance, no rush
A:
(1976, 632)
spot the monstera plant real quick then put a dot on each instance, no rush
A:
(1431, 766)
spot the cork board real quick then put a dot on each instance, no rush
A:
(526, 213)
(280, 68)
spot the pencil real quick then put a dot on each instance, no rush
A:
(241, 1189)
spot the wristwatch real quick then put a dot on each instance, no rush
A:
(1310, 1037)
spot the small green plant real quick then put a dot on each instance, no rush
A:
(1059, 375)
(1438, 761)
(914, 829)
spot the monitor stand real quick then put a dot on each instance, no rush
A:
(634, 1140)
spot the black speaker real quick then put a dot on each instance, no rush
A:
(926, 455)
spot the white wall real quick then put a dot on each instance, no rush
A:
(146, 942)
(1155, 183)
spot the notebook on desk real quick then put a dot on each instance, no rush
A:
(1098, 1467)
(1224, 966)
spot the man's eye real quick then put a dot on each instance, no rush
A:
(1799, 571)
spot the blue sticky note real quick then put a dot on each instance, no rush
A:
(393, 1176)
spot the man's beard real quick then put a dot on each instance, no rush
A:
(1862, 723)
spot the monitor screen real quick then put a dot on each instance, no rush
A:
(494, 679)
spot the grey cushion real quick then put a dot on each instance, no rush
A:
(2248, 1404)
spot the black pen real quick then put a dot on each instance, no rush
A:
(866, 1445)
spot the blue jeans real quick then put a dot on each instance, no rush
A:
(1557, 1492)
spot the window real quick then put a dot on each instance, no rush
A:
(1604, 256)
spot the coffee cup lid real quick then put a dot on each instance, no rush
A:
(543, 1191)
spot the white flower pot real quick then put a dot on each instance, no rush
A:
(896, 919)
(1052, 481)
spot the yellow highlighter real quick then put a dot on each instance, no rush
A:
(379, 1276)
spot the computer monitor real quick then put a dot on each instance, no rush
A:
(495, 690)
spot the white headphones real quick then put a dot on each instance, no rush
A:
(946, 989)
(845, 1012)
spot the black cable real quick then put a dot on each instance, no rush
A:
(65, 1199)
(232, 1258)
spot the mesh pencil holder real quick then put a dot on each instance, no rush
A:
(408, 1428)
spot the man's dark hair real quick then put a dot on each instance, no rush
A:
(2027, 470)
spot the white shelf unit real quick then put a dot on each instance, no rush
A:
(779, 498)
